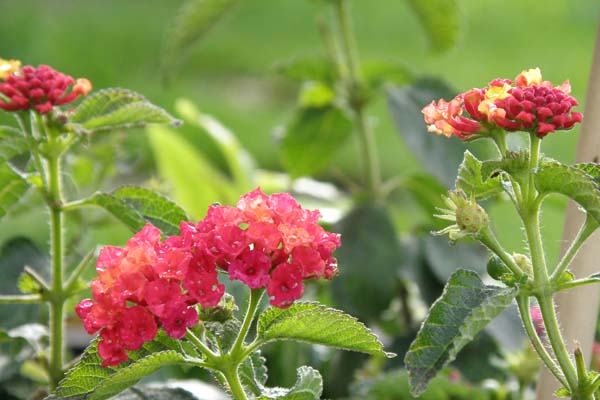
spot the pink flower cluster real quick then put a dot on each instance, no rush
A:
(40, 87)
(266, 242)
(532, 105)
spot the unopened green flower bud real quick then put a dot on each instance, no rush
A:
(524, 263)
(469, 217)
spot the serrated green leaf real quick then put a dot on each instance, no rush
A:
(129, 375)
(196, 184)
(116, 108)
(464, 309)
(317, 324)
(223, 332)
(572, 182)
(471, 181)
(11, 145)
(592, 169)
(253, 373)
(89, 380)
(153, 207)
(308, 386)
(516, 164)
(440, 19)
(194, 19)
(312, 137)
(12, 188)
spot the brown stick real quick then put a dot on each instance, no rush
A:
(579, 308)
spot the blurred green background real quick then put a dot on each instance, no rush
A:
(230, 74)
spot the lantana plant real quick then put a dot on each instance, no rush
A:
(538, 108)
(161, 299)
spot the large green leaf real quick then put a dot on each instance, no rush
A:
(195, 183)
(440, 19)
(155, 393)
(312, 137)
(117, 108)
(572, 182)
(11, 145)
(308, 386)
(193, 21)
(471, 181)
(89, 380)
(368, 261)
(153, 207)
(463, 310)
(12, 187)
(317, 324)
(438, 155)
(592, 169)
(516, 164)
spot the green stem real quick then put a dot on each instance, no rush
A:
(57, 300)
(523, 303)
(556, 340)
(236, 349)
(357, 102)
(20, 299)
(72, 281)
(586, 230)
(235, 385)
(534, 159)
(208, 353)
(576, 283)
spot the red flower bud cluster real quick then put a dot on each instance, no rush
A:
(41, 87)
(532, 105)
(266, 241)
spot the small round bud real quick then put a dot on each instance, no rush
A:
(524, 263)
(471, 217)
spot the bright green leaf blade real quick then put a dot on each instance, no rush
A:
(368, 262)
(307, 69)
(239, 162)
(571, 182)
(194, 20)
(196, 184)
(471, 181)
(119, 209)
(516, 164)
(88, 379)
(153, 207)
(312, 137)
(117, 108)
(440, 19)
(464, 309)
(317, 324)
(128, 376)
(308, 386)
(12, 188)
(11, 145)
(592, 169)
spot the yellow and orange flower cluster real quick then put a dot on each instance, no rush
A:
(531, 105)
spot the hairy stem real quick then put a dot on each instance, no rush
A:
(236, 348)
(523, 303)
(586, 230)
(20, 299)
(488, 238)
(57, 299)
(354, 86)
(235, 385)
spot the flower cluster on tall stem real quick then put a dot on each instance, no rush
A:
(265, 241)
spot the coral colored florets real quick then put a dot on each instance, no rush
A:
(265, 242)
(41, 87)
(531, 105)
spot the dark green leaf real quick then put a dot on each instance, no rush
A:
(444, 258)
(471, 181)
(438, 155)
(572, 182)
(440, 19)
(369, 261)
(317, 324)
(312, 137)
(153, 207)
(194, 19)
(12, 188)
(516, 164)
(308, 386)
(427, 192)
(117, 108)
(89, 380)
(463, 310)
